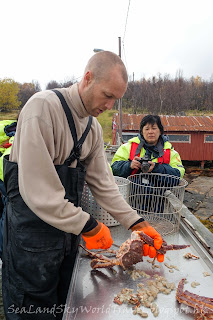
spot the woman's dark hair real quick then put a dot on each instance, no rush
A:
(151, 119)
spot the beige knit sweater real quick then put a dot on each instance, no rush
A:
(43, 139)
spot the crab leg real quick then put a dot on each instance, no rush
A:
(96, 255)
(194, 296)
(202, 305)
(112, 252)
(164, 246)
(175, 247)
(100, 261)
(202, 299)
(97, 263)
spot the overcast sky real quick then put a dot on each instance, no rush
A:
(47, 40)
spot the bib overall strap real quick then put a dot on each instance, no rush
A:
(76, 151)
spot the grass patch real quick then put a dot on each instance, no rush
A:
(105, 120)
(198, 113)
(11, 115)
(208, 224)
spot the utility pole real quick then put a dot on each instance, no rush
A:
(120, 100)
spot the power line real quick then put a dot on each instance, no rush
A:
(125, 58)
(125, 34)
(126, 20)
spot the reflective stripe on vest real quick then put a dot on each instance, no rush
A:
(164, 159)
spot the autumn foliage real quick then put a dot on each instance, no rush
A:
(26, 90)
(9, 95)
(14, 95)
(163, 95)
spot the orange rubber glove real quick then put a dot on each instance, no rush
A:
(98, 238)
(151, 232)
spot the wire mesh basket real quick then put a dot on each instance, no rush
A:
(158, 198)
(89, 204)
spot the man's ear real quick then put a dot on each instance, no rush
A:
(88, 77)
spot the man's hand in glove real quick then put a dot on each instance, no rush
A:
(98, 238)
(151, 232)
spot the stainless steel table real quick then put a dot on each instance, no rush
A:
(92, 292)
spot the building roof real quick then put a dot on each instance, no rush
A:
(131, 122)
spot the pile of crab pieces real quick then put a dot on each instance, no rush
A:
(137, 273)
(145, 295)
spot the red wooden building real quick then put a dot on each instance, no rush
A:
(191, 136)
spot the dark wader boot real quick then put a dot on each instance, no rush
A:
(38, 259)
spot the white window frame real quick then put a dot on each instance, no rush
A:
(130, 134)
(178, 134)
(205, 135)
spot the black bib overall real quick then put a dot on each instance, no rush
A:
(38, 259)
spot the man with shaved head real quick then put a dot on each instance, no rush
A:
(105, 80)
(58, 145)
(100, 64)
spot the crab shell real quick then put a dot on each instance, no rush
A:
(130, 253)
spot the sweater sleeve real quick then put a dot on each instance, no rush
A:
(105, 190)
